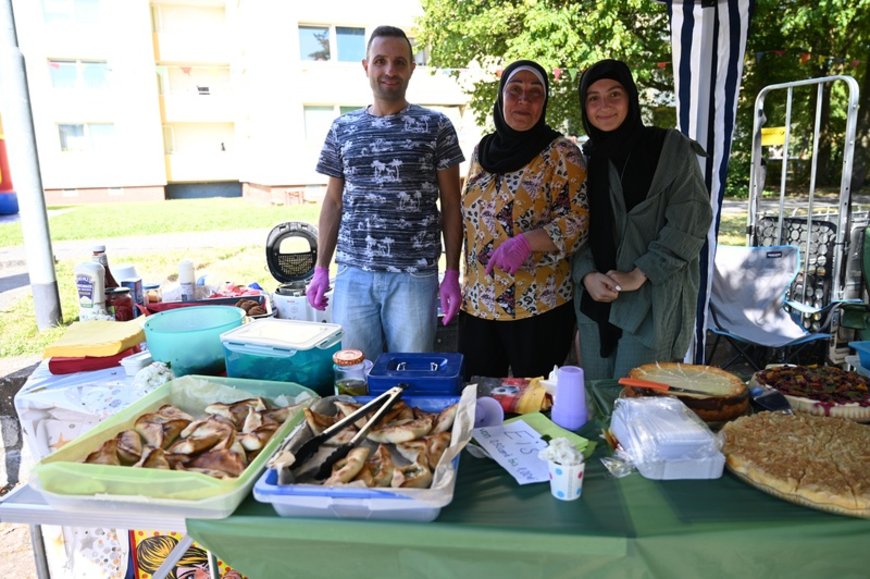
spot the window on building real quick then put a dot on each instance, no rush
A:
(351, 43)
(318, 119)
(314, 43)
(71, 11)
(421, 54)
(337, 43)
(86, 137)
(82, 74)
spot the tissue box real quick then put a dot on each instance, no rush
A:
(664, 439)
(863, 351)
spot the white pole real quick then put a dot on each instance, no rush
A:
(24, 166)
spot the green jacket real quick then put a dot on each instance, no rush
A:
(663, 236)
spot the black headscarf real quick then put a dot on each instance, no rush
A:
(634, 150)
(508, 150)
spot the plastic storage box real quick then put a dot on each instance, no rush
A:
(663, 439)
(346, 502)
(284, 350)
(427, 374)
(863, 351)
(68, 484)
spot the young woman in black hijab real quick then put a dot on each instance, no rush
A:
(524, 214)
(637, 279)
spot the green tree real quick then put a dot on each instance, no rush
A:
(799, 39)
(481, 36)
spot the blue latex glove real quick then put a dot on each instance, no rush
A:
(450, 294)
(510, 255)
(319, 285)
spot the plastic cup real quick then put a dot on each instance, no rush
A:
(488, 412)
(569, 405)
(566, 480)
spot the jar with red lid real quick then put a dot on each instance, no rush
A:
(120, 303)
(350, 372)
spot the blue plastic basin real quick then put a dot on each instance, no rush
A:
(189, 339)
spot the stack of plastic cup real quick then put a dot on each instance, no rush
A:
(488, 412)
(569, 406)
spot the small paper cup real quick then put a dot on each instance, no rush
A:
(566, 480)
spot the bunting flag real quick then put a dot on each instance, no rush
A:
(807, 57)
(708, 42)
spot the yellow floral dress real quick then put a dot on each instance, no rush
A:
(549, 193)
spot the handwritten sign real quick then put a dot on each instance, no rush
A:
(515, 447)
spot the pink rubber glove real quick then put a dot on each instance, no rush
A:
(450, 294)
(319, 285)
(510, 255)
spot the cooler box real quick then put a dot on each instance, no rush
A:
(427, 374)
(284, 350)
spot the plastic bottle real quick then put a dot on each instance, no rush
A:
(91, 286)
(350, 374)
(187, 280)
(100, 257)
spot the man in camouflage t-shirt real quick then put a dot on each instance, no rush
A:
(388, 166)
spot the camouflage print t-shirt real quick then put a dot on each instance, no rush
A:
(390, 221)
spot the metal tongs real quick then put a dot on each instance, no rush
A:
(382, 403)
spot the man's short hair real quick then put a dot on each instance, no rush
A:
(390, 31)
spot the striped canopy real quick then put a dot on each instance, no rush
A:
(708, 39)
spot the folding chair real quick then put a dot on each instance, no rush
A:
(748, 306)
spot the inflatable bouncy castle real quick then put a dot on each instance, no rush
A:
(8, 198)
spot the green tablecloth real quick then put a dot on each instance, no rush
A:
(629, 527)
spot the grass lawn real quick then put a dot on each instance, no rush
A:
(243, 264)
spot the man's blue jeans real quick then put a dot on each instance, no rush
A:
(385, 311)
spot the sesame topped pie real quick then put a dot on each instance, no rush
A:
(814, 461)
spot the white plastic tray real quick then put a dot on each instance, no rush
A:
(306, 500)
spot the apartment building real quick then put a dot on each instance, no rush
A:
(143, 100)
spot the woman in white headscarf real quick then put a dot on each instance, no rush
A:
(525, 213)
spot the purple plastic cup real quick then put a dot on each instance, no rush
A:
(569, 405)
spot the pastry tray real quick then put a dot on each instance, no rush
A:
(68, 484)
(797, 500)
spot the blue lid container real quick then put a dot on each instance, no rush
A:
(284, 350)
(426, 373)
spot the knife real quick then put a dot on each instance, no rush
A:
(770, 399)
(638, 383)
